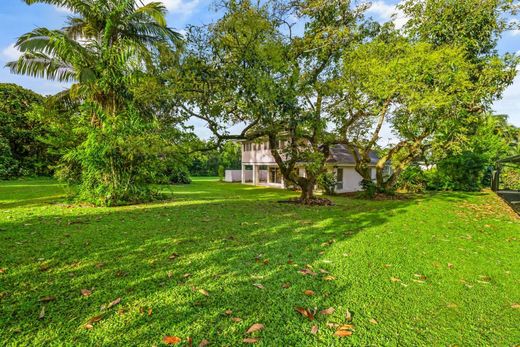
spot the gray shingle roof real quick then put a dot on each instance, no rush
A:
(340, 154)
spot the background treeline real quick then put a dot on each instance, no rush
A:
(342, 77)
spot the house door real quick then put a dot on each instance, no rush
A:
(339, 179)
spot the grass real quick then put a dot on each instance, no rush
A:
(440, 269)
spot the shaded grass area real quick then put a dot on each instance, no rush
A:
(439, 269)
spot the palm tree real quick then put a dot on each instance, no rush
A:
(102, 45)
(104, 50)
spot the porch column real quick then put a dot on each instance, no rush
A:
(268, 174)
(255, 174)
(243, 173)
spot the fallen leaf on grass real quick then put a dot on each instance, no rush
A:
(328, 311)
(48, 298)
(2, 271)
(255, 327)
(308, 292)
(204, 292)
(250, 340)
(421, 277)
(95, 319)
(286, 285)
(173, 256)
(324, 271)
(343, 333)
(203, 343)
(189, 340)
(86, 292)
(42, 313)
(515, 306)
(236, 319)
(305, 312)
(170, 274)
(259, 285)
(329, 278)
(88, 326)
(307, 272)
(373, 321)
(114, 303)
(332, 325)
(314, 330)
(450, 266)
(186, 275)
(229, 312)
(348, 316)
(150, 311)
(171, 340)
(395, 279)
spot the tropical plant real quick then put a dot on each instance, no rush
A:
(106, 48)
(22, 153)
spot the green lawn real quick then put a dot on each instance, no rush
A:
(441, 269)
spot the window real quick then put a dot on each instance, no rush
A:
(339, 179)
(266, 146)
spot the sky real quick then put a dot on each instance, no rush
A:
(17, 18)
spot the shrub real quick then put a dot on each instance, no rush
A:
(327, 182)
(369, 188)
(412, 179)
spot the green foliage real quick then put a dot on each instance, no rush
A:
(177, 173)
(22, 153)
(412, 180)
(327, 182)
(107, 49)
(510, 178)
(208, 163)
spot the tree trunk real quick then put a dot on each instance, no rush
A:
(307, 194)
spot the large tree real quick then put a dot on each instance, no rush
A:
(252, 68)
(105, 49)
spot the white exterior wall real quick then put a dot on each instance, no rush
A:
(259, 156)
(233, 176)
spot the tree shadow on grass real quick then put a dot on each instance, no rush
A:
(163, 257)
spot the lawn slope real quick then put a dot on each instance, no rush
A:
(440, 269)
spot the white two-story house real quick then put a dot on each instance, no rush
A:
(260, 168)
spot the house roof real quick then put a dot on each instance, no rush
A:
(340, 154)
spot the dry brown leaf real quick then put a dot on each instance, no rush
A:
(204, 292)
(186, 275)
(86, 292)
(2, 271)
(286, 285)
(255, 327)
(420, 277)
(266, 261)
(328, 311)
(332, 325)
(395, 279)
(95, 319)
(173, 256)
(150, 311)
(290, 262)
(324, 271)
(305, 312)
(229, 312)
(259, 285)
(348, 316)
(373, 321)
(515, 306)
(329, 278)
(42, 313)
(314, 330)
(307, 272)
(171, 340)
(48, 298)
(343, 333)
(346, 327)
(450, 266)
(190, 341)
(114, 303)
(88, 326)
(236, 319)
(203, 343)
(250, 340)
(308, 292)
(170, 274)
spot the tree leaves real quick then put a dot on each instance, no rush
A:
(171, 340)
(328, 311)
(305, 312)
(255, 327)
(114, 303)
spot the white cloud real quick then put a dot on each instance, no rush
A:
(183, 7)
(386, 12)
(10, 53)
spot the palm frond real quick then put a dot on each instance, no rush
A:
(37, 64)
